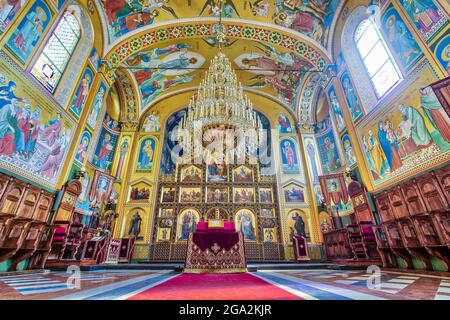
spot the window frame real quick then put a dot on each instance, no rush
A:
(54, 37)
(390, 58)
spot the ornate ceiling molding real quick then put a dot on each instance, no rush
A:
(182, 29)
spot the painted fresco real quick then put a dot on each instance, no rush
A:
(348, 151)
(25, 38)
(289, 157)
(34, 135)
(283, 73)
(82, 93)
(8, 11)
(217, 172)
(351, 96)
(83, 147)
(404, 46)
(313, 159)
(242, 174)
(187, 223)
(312, 18)
(191, 174)
(426, 16)
(169, 145)
(83, 202)
(190, 195)
(127, 15)
(146, 155)
(160, 69)
(217, 195)
(326, 143)
(409, 137)
(94, 59)
(298, 224)
(442, 52)
(337, 109)
(244, 195)
(246, 223)
(106, 147)
(96, 108)
(294, 193)
(284, 124)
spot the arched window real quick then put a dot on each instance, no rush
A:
(379, 64)
(53, 60)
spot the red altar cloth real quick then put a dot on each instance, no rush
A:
(215, 251)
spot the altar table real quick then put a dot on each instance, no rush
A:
(215, 251)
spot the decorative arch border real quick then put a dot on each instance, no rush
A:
(189, 29)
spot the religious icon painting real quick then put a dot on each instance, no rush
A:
(140, 192)
(187, 223)
(289, 157)
(28, 33)
(294, 193)
(99, 194)
(351, 95)
(265, 195)
(245, 221)
(244, 195)
(298, 224)
(146, 155)
(8, 12)
(217, 195)
(348, 151)
(266, 213)
(190, 195)
(333, 185)
(82, 93)
(168, 194)
(191, 174)
(217, 172)
(165, 212)
(163, 234)
(96, 107)
(269, 235)
(284, 124)
(83, 147)
(242, 174)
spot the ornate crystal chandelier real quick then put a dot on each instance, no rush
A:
(220, 107)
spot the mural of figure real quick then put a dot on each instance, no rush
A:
(27, 35)
(352, 98)
(123, 153)
(434, 112)
(188, 225)
(97, 107)
(52, 131)
(83, 148)
(246, 226)
(424, 13)
(81, 94)
(7, 124)
(289, 158)
(299, 225)
(337, 110)
(8, 10)
(388, 146)
(105, 151)
(419, 132)
(135, 225)
(100, 192)
(53, 160)
(7, 93)
(348, 149)
(332, 162)
(146, 154)
(312, 158)
(401, 39)
(284, 123)
(377, 153)
(370, 159)
(213, 8)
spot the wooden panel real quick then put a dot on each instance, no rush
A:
(384, 207)
(413, 198)
(398, 204)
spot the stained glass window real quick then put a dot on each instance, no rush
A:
(52, 62)
(379, 63)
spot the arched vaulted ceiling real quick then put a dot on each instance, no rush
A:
(279, 47)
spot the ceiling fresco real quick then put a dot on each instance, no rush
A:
(181, 64)
(313, 18)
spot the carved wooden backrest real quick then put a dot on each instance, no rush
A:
(397, 203)
(432, 193)
(413, 198)
(26, 206)
(384, 207)
(11, 198)
(43, 208)
(443, 179)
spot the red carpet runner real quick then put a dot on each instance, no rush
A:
(215, 287)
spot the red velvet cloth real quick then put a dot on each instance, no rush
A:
(224, 239)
